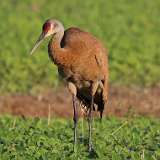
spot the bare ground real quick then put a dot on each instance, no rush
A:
(122, 101)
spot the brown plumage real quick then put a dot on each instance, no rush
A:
(82, 62)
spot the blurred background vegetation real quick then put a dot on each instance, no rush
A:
(129, 29)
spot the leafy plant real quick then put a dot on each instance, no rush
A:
(117, 139)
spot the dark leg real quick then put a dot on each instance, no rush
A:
(90, 124)
(72, 88)
(75, 118)
(101, 113)
(94, 87)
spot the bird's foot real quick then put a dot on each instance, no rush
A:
(74, 147)
(90, 148)
(92, 152)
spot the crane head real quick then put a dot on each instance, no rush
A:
(50, 27)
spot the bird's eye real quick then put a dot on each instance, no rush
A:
(46, 27)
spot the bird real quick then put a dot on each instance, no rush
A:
(82, 62)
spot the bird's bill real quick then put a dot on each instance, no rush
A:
(38, 42)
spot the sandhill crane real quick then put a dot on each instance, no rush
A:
(82, 62)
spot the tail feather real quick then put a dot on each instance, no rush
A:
(100, 103)
(85, 98)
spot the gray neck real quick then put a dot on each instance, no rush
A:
(59, 35)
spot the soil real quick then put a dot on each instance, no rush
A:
(122, 101)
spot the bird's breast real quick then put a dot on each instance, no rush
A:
(68, 75)
(65, 72)
(51, 55)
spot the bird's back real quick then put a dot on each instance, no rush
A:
(87, 52)
(76, 38)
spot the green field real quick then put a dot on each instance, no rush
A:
(117, 139)
(129, 29)
(131, 32)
